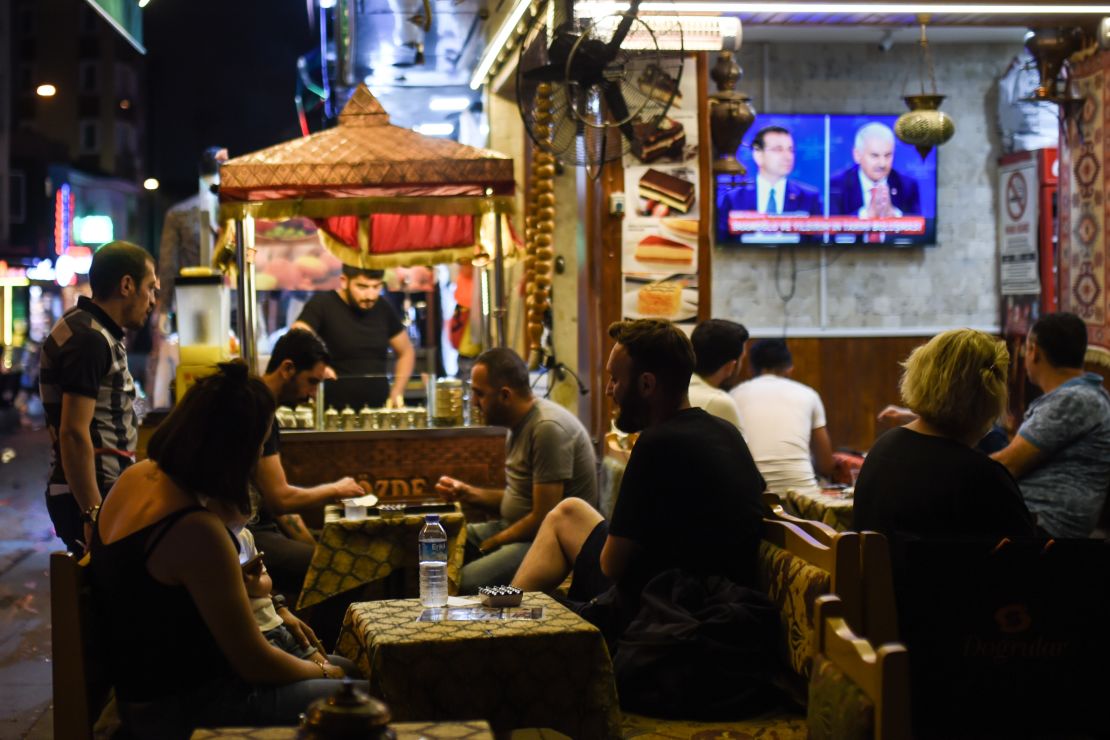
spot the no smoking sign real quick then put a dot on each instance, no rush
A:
(1017, 196)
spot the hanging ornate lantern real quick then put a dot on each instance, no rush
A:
(925, 126)
(730, 115)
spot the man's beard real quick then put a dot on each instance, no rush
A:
(633, 413)
(497, 416)
(354, 304)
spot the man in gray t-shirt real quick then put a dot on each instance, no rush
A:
(548, 457)
(1061, 453)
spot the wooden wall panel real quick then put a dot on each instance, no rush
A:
(856, 378)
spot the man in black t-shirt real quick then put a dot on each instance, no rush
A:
(690, 496)
(359, 328)
(297, 366)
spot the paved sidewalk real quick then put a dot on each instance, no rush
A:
(26, 541)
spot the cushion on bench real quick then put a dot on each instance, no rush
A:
(838, 708)
(793, 585)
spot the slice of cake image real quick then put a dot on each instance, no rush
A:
(656, 248)
(683, 228)
(662, 299)
(663, 188)
(650, 142)
(659, 85)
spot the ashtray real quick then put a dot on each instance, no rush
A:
(499, 597)
(391, 511)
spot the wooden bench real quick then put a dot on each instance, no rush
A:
(81, 688)
(876, 617)
(857, 690)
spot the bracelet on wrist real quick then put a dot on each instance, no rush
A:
(279, 601)
(324, 669)
(89, 515)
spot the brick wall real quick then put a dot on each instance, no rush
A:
(952, 284)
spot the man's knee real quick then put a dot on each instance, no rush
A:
(573, 514)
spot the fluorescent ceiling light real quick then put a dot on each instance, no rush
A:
(593, 9)
(449, 104)
(497, 43)
(698, 32)
(435, 129)
(327, 3)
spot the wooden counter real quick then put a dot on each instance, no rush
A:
(397, 464)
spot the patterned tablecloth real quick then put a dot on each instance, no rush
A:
(832, 507)
(550, 672)
(352, 553)
(476, 730)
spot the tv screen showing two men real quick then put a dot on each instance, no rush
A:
(828, 179)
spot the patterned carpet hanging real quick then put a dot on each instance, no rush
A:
(1084, 240)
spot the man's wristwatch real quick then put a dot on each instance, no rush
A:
(279, 601)
(88, 516)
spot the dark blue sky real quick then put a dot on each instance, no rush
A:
(220, 72)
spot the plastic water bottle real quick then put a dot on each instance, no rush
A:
(433, 563)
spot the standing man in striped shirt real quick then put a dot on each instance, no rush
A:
(88, 392)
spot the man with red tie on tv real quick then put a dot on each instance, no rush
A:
(872, 188)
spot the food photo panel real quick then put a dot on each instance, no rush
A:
(671, 297)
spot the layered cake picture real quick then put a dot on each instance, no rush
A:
(651, 142)
(658, 187)
(661, 300)
(660, 249)
(659, 85)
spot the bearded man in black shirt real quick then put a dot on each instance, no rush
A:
(359, 328)
(690, 495)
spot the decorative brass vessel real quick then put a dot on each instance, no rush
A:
(730, 115)
(924, 126)
(1050, 48)
(347, 715)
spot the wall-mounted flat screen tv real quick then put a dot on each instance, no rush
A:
(828, 179)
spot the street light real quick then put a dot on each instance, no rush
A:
(46, 91)
(151, 183)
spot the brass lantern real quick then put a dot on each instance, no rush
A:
(925, 125)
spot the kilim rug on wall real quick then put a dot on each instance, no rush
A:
(1084, 206)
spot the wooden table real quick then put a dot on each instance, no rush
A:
(829, 506)
(551, 672)
(352, 553)
(474, 730)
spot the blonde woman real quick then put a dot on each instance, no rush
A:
(926, 478)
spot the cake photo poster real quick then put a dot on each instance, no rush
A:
(673, 297)
(659, 235)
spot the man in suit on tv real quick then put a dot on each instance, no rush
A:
(773, 192)
(872, 188)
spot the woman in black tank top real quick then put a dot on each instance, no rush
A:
(184, 649)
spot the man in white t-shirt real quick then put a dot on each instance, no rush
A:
(719, 348)
(782, 420)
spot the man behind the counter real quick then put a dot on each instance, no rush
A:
(358, 328)
(297, 366)
(548, 457)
